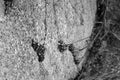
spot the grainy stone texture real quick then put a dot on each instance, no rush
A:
(45, 21)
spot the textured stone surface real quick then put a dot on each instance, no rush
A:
(46, 22)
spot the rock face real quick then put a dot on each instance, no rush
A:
(1, 10)
(72, 22)
(78, 22)
(47, 22)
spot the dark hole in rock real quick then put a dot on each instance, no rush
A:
(39, 49)
(8, 5)
(61, 46)
(71, 48)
